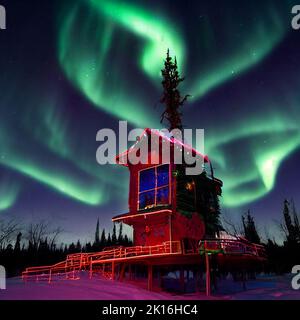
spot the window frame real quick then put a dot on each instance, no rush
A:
(156, 188)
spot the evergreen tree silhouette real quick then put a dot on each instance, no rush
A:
(78, 246)
(296, 221)
(109, 242)
(103, 239)
(97, 233)
(291, 234)
(249, 226)
(120, 237)
(114, 235)
(18, 242)
(171, 96)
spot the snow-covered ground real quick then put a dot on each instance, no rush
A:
(263, 288)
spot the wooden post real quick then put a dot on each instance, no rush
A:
(172, 181)
(91, 270)
(207, 274)
(113, 270)
(50, 275)
(122, 271)
(150, 277)
(170, 231)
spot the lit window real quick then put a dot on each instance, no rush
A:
(154, 188)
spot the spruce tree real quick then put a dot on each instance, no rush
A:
(290, 228)
(109, 242)
(296, 221)
(171, 96)
(212, 219)
(114, 235)
(120, 237)
(250, 230)
(103, 239)
(18, 243)
(97, 233)
(78, 246)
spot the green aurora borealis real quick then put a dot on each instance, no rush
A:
(110, 54)
(86, 66)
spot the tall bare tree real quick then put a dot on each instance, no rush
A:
(38, 232)
(8, 230)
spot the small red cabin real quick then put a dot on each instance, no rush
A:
(171, 212)
(166, 204)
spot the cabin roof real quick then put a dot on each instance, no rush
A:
(122, 157)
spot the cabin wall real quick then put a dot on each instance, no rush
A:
(133, 190)
(134, 186)
(187, 227)
(151, 231)
(155, 229)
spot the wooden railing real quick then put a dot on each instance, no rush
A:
(170, 247)
(232, 247)
(77, 262)
(68, 268)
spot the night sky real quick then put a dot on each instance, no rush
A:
(70, 68)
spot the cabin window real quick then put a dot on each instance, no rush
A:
(154, 187)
